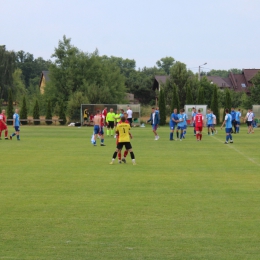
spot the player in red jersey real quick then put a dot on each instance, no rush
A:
(3, 125)
(104, 113)
(199, 125)
(117, 139)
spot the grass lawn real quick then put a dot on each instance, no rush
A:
(60, 198)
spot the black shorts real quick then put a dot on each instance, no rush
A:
(130, 120)
(126, 144)
(249, 123)
(111, 124)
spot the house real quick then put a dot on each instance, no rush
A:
(158, 80)
(237, 82)
(44, 78)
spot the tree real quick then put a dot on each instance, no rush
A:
(208, 90)
(179, 75)
(165, 64)
(23, 112)
(48, 113)
(255, 90)
(7, 68)
(62, 114)
(201, 100)
(36, 112)
(175, 99)
(227, 102)
(214, 103)
(162, 108)
(74, 105)
(189, 99)
(10, 110)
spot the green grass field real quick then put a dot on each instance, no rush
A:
(60, 198)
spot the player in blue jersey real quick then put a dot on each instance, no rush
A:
(16, 125)
(209, 118)
(185, 118)
(228, 123)
(233, 115)
(194, 113)
(238, 116)
(172, 123)
(181, 124)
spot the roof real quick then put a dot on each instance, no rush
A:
(220, 82)
(241, 84)
(162, 79)
(250, 73)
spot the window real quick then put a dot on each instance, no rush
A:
(243, 85)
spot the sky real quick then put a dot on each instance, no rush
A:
(223, 33)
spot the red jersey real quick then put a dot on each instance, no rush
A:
(2, 122)
(104, 112)
(199, 120)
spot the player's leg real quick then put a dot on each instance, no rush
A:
(119, 147)
(128, 146)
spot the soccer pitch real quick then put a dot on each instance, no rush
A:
(60, 198)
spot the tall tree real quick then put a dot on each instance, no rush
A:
(214, 103)
(162, 108)
(7, 68)
(201, 100)
(48, 113)
(62, 114)
(10, 110)
(179, 75)
(36, 112)
(189, 99)
(23, 111)
(175, 99)
(165, 64)
(227, 102)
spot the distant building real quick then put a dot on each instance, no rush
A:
(44, 78)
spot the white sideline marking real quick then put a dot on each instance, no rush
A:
(231, 146)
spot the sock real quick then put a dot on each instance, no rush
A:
(227, 137)
(119, 156)
(114, 155)
(197, 136)
(177, 134)
(194, 131)
(13, 134)
(230, 137)
(132, 155)
(200, 136)
(171, 136)
(102, 141)
(125, 153)
(18, 137)
(184, 133)
(6, 134)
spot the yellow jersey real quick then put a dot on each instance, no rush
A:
(123, 129)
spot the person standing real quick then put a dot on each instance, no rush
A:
(123, 130)
(110, 120)
(249, 120)
(198, 119)
(238, 116)
(194, 113)
(228, 123)
(214, 130)
(233, 115)
(172, 123)
(3, 125)
(185, 118)
(209, 118)
(154, 119)
(181, 124)
(16, 125)
(86, 116)
(98, 121)
(104, 114)
(129, 115)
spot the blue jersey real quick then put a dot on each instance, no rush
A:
(228, 119)
(16, 118)
(209, 118)
(238, 115)
(185, 118)
(175, 117)
(233, 114)
(181, 118)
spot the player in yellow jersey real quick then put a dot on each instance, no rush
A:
(123, 130)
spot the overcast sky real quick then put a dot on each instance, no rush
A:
(223, 33)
